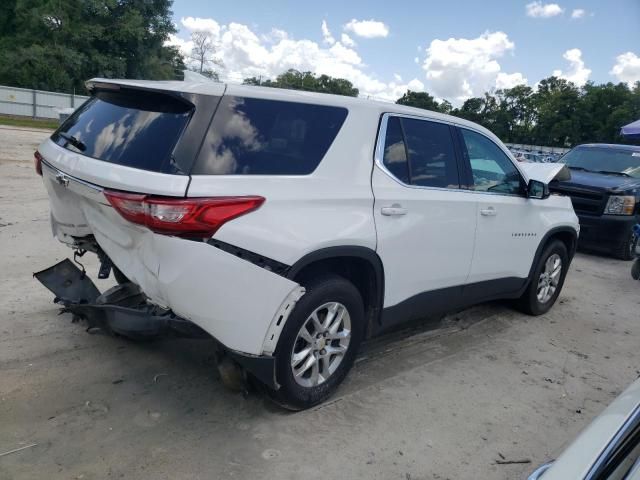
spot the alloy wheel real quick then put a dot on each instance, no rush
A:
(549, 278)
(321, 344)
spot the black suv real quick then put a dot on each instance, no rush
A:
(605, 191)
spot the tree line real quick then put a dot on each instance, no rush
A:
(57, 45)
(558, 113)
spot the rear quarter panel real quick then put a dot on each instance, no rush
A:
(333, 206)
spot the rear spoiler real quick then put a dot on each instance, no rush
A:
(173, 87)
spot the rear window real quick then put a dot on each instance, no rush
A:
(250, 136)
(135, 129)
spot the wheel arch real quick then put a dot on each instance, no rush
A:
(360, 265)
(566, 235)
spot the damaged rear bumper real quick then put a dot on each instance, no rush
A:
(124, 310)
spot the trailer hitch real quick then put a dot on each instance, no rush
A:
(121, 310)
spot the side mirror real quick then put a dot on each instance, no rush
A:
(538, 190)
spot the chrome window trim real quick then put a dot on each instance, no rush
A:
(631, 421)
(380, 146)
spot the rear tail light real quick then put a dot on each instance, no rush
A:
(184, 217)
(37, 161)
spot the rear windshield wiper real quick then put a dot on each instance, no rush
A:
(608, 172)
(73, 141)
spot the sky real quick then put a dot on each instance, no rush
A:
(452, 49)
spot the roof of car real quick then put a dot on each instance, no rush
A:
(217, 88)
(613, 146)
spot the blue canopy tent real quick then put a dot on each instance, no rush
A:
(632, 130)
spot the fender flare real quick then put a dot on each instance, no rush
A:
(365, 253)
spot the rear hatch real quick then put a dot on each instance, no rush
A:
(125, 138)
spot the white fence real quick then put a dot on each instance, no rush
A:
(36, 103)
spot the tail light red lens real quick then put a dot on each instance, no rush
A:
(37, 162)
(184, 217)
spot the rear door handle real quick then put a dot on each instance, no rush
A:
(488, 212)
(394, 210)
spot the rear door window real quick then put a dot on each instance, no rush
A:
(134, 129)
(395, 151)
(420, 152)
(250, 136)
(432, 159)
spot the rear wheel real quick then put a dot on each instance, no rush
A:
(319, 342)
(547, 280)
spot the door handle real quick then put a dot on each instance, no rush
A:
(394, 210)
(488, 212)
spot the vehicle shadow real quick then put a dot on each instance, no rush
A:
(390, 354)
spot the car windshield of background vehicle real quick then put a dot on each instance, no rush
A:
(604, 160)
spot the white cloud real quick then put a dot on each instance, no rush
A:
(459, 68)
(367, 28)
(197, 24)
(627, 68)
(415, 85)
(546, 10)
(506, 80)
(326, 34)
(245, 53)
(347, 41)
(397, 88)
(577, 73)
(578, 13)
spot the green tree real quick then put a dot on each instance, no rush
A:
(56, 45)
(556, 103)
(296, 80)
(419, 100)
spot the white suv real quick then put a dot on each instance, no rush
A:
(290, 226)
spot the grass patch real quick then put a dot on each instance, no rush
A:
(28, 122)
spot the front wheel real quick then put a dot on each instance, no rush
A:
(319, 343)
(547, 280)
(627, 249)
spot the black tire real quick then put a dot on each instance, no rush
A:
(528, 302)
(319, 291)
(626, 250)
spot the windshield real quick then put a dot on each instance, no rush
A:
(593, 159)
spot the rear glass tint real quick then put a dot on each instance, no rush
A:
(250, 136)
(136, 129)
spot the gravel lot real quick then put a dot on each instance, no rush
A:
(442, 399)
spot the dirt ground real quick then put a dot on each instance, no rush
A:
(438, 400)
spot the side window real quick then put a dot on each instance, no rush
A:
(252, 136)
(432, 160)
(395, 153)
(492, 170)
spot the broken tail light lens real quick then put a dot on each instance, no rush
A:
(183, 217)
(37, 162)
